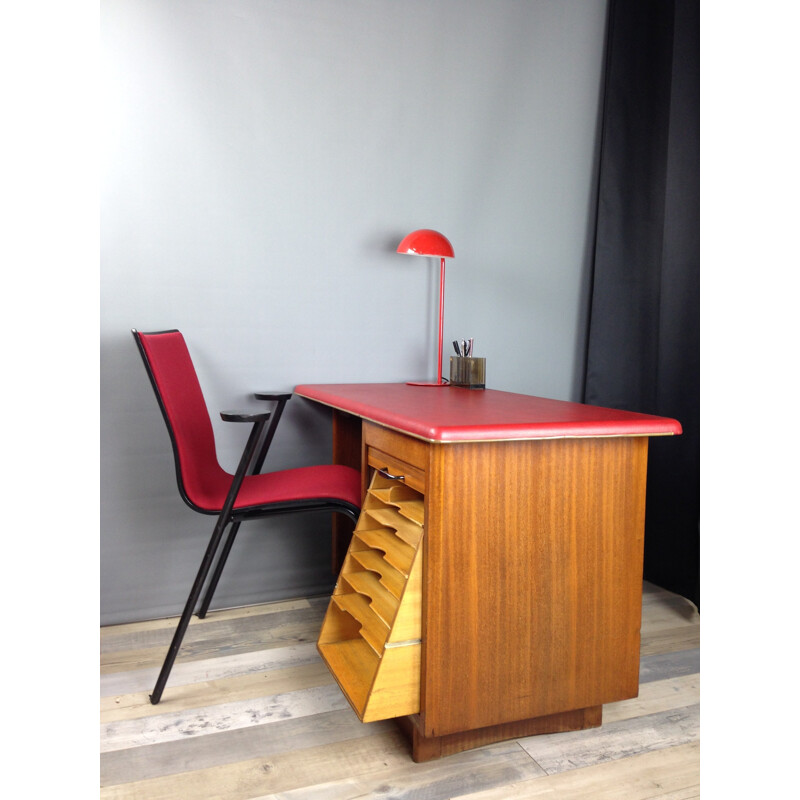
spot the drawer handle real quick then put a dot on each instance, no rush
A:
(386, 474)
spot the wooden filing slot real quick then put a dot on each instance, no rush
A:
(371, 635)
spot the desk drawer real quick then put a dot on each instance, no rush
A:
(394, 467)
(405, 448)
(371, 635)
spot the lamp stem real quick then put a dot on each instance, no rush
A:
(441, 323)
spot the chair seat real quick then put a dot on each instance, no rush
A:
(326, 481)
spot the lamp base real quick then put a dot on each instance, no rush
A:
(424, 383)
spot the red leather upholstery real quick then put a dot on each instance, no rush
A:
(450, 414)
(205, 483)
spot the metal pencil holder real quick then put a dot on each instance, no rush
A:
(468, 372)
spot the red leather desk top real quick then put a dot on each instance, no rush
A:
(450, 414)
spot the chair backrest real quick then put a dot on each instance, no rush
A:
(174, 380)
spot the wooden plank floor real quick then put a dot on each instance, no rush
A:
(251, 712)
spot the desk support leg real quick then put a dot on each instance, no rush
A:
(426, 748)
(347, 447)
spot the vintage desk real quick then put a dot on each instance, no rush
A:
(492, 588)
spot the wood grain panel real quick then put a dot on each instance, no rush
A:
(347, 450)
(406, 448)
(425, 748)
(532, 588)
(346, 439)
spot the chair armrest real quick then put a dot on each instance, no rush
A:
(273, 395)
(245, 416)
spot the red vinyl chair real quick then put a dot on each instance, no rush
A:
(209, 489)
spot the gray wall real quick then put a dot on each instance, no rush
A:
(262, 159)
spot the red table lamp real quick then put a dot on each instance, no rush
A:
(426, 242)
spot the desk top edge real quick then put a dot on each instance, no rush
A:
(428, 413)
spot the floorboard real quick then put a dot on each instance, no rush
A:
(251, 713)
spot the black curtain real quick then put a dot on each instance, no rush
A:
(643, 346)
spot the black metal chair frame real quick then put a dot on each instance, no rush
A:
(251, 462)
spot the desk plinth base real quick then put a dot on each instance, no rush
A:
(427, 748)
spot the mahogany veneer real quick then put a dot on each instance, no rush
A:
(523, 612)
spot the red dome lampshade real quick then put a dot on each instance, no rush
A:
(426, 242)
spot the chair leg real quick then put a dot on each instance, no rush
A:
(223, 557)
(222, 522)
(257, 464)
(191, 602)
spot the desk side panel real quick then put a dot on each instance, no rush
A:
(532, 598)
(347, 450)
(347, 444)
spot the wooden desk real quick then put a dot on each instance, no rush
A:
(518, 609)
